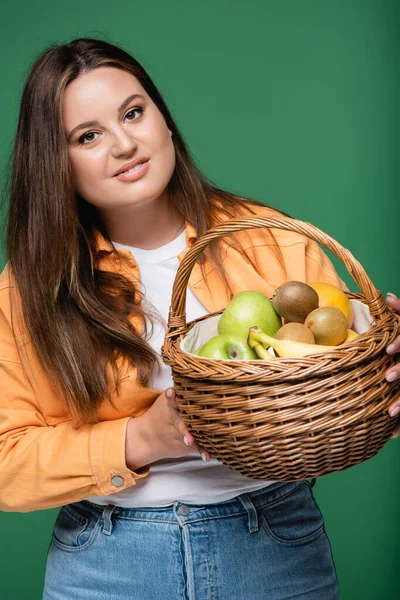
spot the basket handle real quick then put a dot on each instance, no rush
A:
(177, 313)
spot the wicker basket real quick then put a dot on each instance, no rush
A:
(294, 418)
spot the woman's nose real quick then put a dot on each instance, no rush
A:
(123, 143)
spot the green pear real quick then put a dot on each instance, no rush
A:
(227, 347)
(249, 309)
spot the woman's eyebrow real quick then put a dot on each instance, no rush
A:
(87, 124)
(128, 101)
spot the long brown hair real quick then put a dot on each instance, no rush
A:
(75, 314)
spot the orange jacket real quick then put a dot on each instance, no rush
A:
(46, 461)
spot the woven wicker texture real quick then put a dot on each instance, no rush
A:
(291, 418)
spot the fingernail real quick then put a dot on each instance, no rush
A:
(186, 441)
(390, 349)
(391, 376)
(390, 295)
(394, 411)
(169, 393)
(204, 456)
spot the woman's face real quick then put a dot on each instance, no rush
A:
(110, 121)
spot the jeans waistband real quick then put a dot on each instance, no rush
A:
(189, 513)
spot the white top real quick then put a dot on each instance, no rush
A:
(188, 479)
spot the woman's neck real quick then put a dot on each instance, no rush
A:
(149, 226)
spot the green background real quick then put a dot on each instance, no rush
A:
(294, 103)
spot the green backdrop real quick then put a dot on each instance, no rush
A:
(294, 103)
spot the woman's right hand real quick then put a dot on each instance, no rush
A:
(159, 433)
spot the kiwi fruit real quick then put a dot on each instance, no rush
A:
(328, 325)
(296, 332)
(294, 300)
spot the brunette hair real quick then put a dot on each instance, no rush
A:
(75, 314)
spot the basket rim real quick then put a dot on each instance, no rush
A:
(366, 347)
(363, 337)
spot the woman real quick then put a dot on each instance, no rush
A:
(105, 201)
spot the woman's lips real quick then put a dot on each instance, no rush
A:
(133, 175)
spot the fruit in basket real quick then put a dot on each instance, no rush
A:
(330, 295)
(294, 300)
(227, 347)
(328, 325)
(245, 310)
(262, 353)
(297, 332)
(351, 335)
(285, 348)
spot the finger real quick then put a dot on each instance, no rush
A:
(189, 440)
(206, 456)
(171, 397)
(176, 418)
(393, 373)
(184, 432)
(394, 411)
(182, 429)
(394, 346)
(394, 408)
(396, 432)
(393, 301)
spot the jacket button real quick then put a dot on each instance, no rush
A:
(117, 481)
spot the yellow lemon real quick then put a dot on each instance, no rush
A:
(330, 295)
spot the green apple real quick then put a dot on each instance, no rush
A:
(227, 347)
(249, 309)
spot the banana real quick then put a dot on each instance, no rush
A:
(351, 335)
(285, 348)
(259, 350)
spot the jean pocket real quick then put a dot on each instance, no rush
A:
(293, 519)
(75, 528)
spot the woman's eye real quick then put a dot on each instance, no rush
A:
(130, 114)
(88, 137)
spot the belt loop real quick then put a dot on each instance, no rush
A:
(106, 518)
(251, 512)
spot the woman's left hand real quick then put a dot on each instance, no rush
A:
(394, 372)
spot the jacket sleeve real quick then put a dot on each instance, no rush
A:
(303, 258)
(319, 267)
(44, 466)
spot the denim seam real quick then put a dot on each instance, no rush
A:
(211, 574)
(281, 497)
(147, 520)
(183, 564)
(295, 542)
(333, 561)
(188, 560)
(315, 503)
(74, 515)
(89, 542)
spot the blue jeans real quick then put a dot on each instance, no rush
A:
(269, 544)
